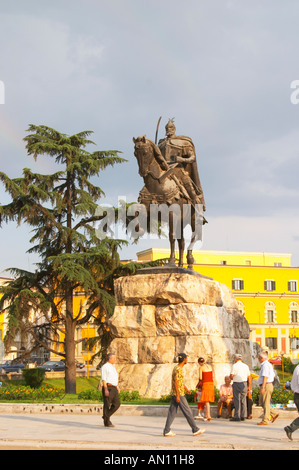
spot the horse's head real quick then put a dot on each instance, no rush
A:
(144, 153)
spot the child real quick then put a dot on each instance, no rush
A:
(200, 405)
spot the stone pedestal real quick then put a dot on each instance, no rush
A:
(161, 314)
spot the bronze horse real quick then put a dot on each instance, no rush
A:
(164, 187)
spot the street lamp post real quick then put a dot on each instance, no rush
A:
(282, 367)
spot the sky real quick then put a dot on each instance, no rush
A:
(223, 69)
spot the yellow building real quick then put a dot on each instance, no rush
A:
(265, 286)
(84, 352)
(3, 280)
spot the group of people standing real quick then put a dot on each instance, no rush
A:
(237, 396)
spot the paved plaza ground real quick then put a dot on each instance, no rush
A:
(86, 432)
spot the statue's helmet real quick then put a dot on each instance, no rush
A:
(170, 126)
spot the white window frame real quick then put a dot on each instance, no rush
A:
(270, 306)
(293, 307)
(238, 284)
(293, 283)
(270, 285)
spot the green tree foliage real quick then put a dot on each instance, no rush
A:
(61, 209)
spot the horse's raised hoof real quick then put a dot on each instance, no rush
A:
(190, 261)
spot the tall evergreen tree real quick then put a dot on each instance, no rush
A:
(61, 209)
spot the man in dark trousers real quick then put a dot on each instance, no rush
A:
(110, 389)
(295, 387)
(179, 400)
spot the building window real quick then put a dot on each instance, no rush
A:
(294, 316)
(294, 343)
(271, 343)
(269, 285)
(292, 286)
(238, 284)
(270, 312)
(293, 312)
(270, 316)
(86, 346)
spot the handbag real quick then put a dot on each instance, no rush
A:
(199, 385)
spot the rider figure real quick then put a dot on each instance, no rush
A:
(179, 150)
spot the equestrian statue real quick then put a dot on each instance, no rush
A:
(170, 175)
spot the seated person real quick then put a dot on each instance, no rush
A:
(225, 397)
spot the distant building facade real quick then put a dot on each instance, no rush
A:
(266, 287)
(3, 280)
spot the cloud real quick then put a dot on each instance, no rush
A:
(261, 179)
(258, 234)
(223, 69)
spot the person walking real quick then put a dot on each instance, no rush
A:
(179, 400)
(295, 387)
(265, 381)
(207, 394)
(240, 375)
(110, 389)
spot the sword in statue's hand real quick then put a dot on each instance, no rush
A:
(157, 129)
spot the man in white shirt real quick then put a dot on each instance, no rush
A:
(240, 375)
(265, 381)
(295, 387)
(110, 389)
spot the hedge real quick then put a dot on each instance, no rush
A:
(96, 395)
(34, 377)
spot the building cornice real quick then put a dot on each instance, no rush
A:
(269, 295)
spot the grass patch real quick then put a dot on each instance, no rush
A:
(84, 384)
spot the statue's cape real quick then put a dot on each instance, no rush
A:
(184, 141)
